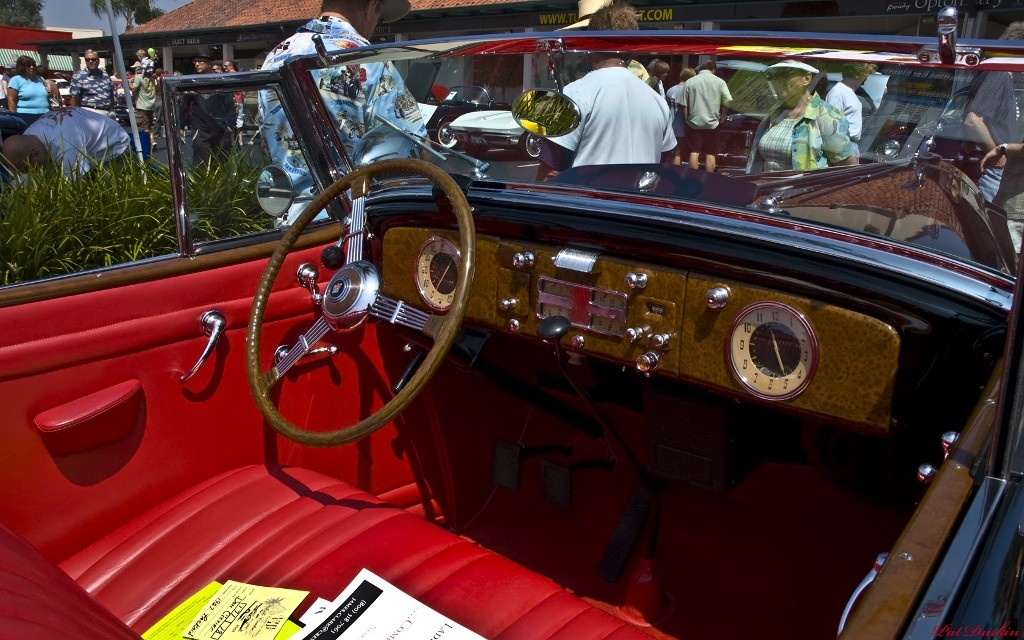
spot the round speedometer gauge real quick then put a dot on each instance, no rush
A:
(437, 272)
(772, 350)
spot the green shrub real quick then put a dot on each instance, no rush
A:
(119, 212)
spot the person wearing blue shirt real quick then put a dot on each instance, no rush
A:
(27, 93)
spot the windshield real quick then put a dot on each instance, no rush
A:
(867, 142)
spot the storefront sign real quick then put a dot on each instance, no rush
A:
(565, 18)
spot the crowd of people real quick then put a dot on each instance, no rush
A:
(83, 130)
(681, 124)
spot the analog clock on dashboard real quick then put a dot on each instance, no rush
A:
(772, 350)
(437, 272)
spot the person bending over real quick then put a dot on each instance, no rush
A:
(74, 138)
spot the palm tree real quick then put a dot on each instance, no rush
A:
(133, 11)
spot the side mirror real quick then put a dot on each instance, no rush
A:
(546, 113)
(274, 191)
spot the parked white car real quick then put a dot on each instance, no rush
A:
(480, 130)
(65, 90)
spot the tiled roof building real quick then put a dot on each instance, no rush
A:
(244, 31)
(203, 14)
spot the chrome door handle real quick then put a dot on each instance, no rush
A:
(212, 324)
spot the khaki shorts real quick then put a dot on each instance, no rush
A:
(144, 118)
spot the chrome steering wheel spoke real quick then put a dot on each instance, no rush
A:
(353, 238)
(401, 313)
(302, 347)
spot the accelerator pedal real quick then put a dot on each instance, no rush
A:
(631, 521)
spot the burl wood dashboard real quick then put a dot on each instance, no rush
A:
(729, 336)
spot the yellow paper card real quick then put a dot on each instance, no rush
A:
(240, 611)
(173, 625)
(288, 630)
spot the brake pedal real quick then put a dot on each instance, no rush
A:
(509, 456)
(557, 479)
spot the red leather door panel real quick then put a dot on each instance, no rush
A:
(66, 355)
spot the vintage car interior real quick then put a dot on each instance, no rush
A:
(629, 401)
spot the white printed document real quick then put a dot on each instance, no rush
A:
(371, 608)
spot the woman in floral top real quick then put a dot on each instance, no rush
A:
(804, 132)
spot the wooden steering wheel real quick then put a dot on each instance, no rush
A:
(352, 296)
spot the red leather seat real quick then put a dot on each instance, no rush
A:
(284, 526)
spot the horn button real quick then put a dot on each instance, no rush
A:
(351, 292)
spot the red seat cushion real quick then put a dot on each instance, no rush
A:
(290, 527)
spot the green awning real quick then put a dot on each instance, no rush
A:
(56, 62)
(61, 62)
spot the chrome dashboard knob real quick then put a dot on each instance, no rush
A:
(647, 362)
(659, 340)
(717, 297)
(523, 260)
(636, 280)
(926, 473)
(635, 333)
(948, 440)
(508, 304)
(577, 342)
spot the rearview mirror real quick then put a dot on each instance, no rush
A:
(546, 113)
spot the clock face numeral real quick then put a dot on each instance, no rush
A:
(772, 350)
(437, 273)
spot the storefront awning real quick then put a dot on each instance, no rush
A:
(55, 62)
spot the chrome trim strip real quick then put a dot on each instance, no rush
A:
(581, 260)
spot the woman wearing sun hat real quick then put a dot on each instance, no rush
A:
(804, 131)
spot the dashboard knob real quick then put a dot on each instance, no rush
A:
(717, 297)
(636, 280)
(926, 473)
(635, 333)
(523, 260)
(948, 440)
(647, 362)
(577, 342)
(508, 304)
(333, 257)
(659, 340)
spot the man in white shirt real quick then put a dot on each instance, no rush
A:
(843, 96)
(621, 120)
(704, 99)
(620, 123)
(74, 138)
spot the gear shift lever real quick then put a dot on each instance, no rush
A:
(646, 600)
